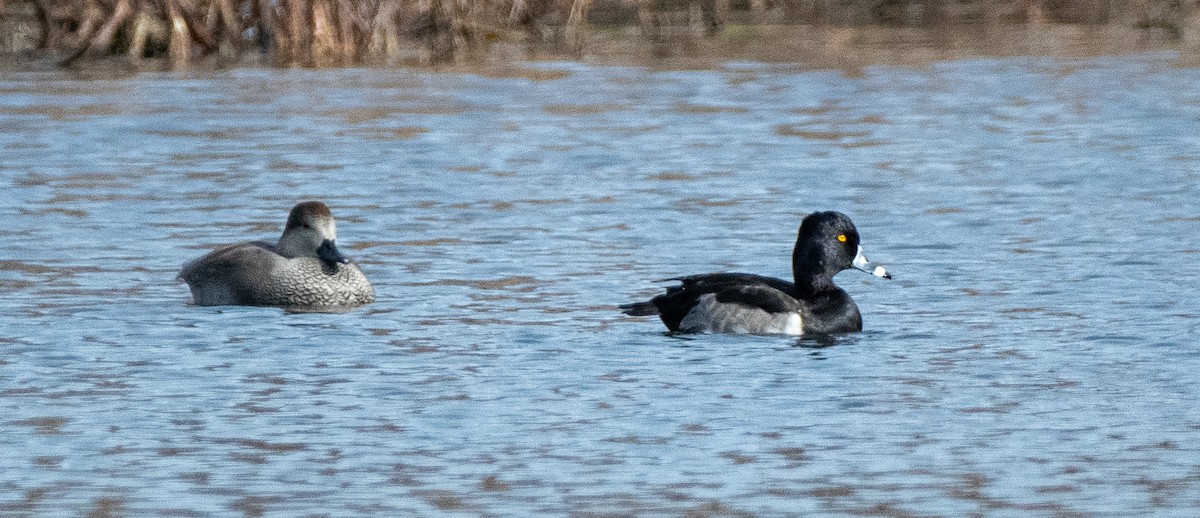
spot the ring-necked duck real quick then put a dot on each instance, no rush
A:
(745, 303)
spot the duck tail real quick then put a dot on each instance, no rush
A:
(639, 309)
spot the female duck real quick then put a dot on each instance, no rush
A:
(744, 303)
(304, 269)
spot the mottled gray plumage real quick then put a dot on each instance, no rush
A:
(304, 269)
(710, 315)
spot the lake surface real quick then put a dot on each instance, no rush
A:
(1035, 355)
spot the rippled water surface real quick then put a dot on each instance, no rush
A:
(1036, 353)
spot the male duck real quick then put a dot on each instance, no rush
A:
(744, 303)
(304, 269)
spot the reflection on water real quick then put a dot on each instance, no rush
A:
(1032, 357)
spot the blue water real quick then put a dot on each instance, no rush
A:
(1036, 354)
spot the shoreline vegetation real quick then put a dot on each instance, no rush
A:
(334, 33)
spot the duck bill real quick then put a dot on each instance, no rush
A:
(862, 263)
(329, 252)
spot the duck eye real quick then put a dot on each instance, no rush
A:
(842, 238)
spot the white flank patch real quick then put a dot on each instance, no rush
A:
(794, 325)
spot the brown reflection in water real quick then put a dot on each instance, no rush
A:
(852, 48)
(176, 451)
(254, 505)
(261, 445)
(824, 108)
(792, 454)
(280, 164)
(443, 500)
(384, 133)
(107, 507)
(416, 348)
(791, 131)
(19, 391)
(830, 492)
(29, 501)
(582, 109)
(90, 393)
(74, 181)
(738, 458)
(518, 283)
(440, 241)
(674, 176)
(224, 134)
(517, 72)
(8, 265)
(48, 461)
(45, 425)
(707, 202)
(202, 158)
(252, 408)
(407, 474)
(862, 143)
(361, 115)
(58, 112)
(455, 321)
(707, 109)
(944, 210)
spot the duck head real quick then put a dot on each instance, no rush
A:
(828, 243)
(311, 232)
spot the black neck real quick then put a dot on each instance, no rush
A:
(811, 274)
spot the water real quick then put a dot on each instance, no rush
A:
(1035, 354)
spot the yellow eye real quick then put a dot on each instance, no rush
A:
(842, 238)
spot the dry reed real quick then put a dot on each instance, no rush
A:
(346, 32)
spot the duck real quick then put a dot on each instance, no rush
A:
(743, 303)
(303, 269)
